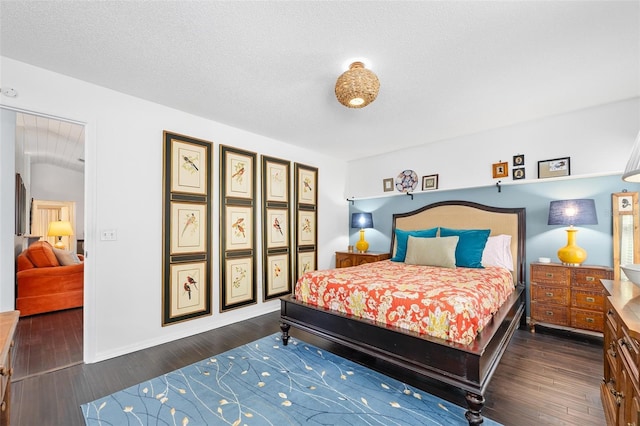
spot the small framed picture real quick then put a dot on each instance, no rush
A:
(518, 173)
(554, 168)
(518, 160)
(429, 182)
(387, 184)
(500, 170)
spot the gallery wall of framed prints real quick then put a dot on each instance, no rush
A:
(186, 245)
(306, 211)
(237, 228)
(276, 227)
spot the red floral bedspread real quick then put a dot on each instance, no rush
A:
(449, 303)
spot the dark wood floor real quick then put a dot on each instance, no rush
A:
(543, 379)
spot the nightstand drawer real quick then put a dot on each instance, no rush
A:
(550, 275)
(588, 320)
(552, 314)
(589, 278)
(550, 295)
(587, 300)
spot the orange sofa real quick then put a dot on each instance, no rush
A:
(43, 284)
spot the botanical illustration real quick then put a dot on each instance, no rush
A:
(187, 289)
(239, 281)
(239, 227)
(188, 164)
(239, 175)
(307, 227)
(306, 262)
(306, 186)
(188, 227)
(277, 177)
(278, 278)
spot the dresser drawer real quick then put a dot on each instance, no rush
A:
(550, 295)
(551, 275)
(552, 314)
(589, 278)
(588, 320)
(592, 300)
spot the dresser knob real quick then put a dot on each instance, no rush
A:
(549, 313)
(548, 294)
(590, 279)
(590, 299)
(549, 275)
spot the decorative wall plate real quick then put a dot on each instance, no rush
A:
(406, 181)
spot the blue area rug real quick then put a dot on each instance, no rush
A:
(267, 383)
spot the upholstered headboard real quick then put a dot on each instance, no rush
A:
(469, 215)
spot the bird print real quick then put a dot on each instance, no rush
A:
(191, 221)
(189, 163)
(187, 289)
(307, 184)
(276, 270)
(238, 225)
(276, 225)
(192, 281)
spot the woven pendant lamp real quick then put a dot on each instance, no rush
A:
(357, 87)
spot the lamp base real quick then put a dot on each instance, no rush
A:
(571, 254)
(362, 246)
(60, 245)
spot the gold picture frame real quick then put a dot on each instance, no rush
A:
(186, 246)
(276, 227)
(500, 170)
(237, 228)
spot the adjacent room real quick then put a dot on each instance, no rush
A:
(320, 212)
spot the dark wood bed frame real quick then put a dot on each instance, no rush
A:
(465, 367)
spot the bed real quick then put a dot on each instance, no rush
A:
(458, 366)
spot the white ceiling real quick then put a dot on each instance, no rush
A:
(446, 68)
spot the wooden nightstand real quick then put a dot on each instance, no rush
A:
(344, 259)
(8, 323)
(570, 296)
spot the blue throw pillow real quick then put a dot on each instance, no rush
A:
(401, 241)
(470, 245)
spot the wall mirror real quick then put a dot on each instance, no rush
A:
(626, 241)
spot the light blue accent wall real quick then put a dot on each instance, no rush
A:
(542, 240)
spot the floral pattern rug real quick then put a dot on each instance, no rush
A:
(267, 383)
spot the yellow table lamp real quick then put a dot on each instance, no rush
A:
(362, 221)
(572, 212)
(59, 229)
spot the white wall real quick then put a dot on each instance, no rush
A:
(7, 206)
(598, 140)
(53, 183)
(123, 171)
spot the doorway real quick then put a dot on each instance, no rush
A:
(50, 154)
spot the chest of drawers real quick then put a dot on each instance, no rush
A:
(344, 259)
(570, 296)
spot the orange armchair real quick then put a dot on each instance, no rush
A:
(43, 284)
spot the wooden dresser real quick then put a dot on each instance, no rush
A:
(570, 296)
(344, 259)
(8, 323)
(620, 388)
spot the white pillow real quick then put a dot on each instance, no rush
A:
(438, 251)
(497, 252)
(66, 258)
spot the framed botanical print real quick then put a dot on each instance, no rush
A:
(188, 166)
(189, 296)
(276, 227)
(306, 184)
(278, 281)
(186, 245)
(238, 288)
(237, 227)
(238, 169)
(277, 230)
(306, 262)
(188, 227)
(306, 227)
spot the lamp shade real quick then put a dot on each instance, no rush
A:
(573, 212)
(361, 220)
(60, 228)
(357, 87)
(632, 171)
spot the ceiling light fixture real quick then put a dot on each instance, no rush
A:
(357, 87)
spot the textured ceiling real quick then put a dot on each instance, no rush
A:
(446, 69)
